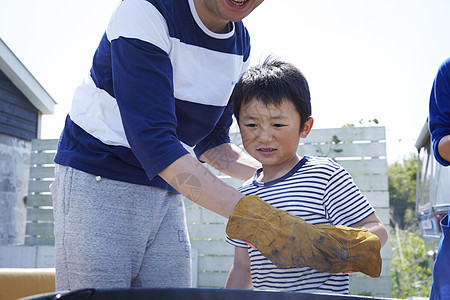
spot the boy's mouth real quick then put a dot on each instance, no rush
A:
(266, 151)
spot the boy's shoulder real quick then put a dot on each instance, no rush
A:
(246, 184)
(321, 162)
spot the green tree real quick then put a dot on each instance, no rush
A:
(402, 191)
(411, 271)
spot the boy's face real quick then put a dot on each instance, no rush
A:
(271, 133)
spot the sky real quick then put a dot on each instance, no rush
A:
(363, 59)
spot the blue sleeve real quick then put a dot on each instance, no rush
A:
(220, 133)
(143, 88)
(439, 109)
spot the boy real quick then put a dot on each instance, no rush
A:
(273, 109)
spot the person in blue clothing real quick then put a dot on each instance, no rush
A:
(439, 124)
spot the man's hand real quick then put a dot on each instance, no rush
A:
(363, 250)
(288, 241)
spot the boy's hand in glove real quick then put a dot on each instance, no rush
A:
(290, 242)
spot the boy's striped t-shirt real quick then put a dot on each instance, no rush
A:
(319, 191)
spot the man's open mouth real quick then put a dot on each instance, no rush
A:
(238, 2)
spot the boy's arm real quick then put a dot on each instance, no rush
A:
(231, 160)
(373, 224)
(239, 276)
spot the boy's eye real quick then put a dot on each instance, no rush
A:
(250, 125)
(278, 125)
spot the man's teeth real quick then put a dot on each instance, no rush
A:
(237, 2)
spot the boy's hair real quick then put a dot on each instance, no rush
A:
(273, 82)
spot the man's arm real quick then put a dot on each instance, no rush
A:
(231, 160)
(444, 148)
(373, 224)
(439, 114)
(197, 183)
(239, 276)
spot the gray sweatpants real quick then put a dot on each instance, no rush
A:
(115, 234)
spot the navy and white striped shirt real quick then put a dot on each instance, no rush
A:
(159, 78)
(321, 192)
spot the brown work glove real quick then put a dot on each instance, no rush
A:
(363, 250)
(288, 241)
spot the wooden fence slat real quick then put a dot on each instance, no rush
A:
(200, 215)
(383, 214)
(190, 204)
(39, 214)
(346, 134)
(38, 186)
(366, 285)
(386, 266)
(39, 241)
(386, 253)
(343, 150)
(39, 172)
(39, 200)
(213, 247)
(366, 166)
(33, 229)
(41, 158)
(378, 199)
(214, 263)
(211, 279)
(207, 231)
(371, 182)
(43, 145)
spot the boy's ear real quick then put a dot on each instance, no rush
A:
(307, 128)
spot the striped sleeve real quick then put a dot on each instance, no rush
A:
(343, 200)
(236, 243)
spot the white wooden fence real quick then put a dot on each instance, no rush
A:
(39, 228)
(361, 150)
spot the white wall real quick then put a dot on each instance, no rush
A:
(14, 174)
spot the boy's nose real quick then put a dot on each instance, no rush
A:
(264, 135)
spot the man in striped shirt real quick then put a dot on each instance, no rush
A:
(158, 87)
(273, 109)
